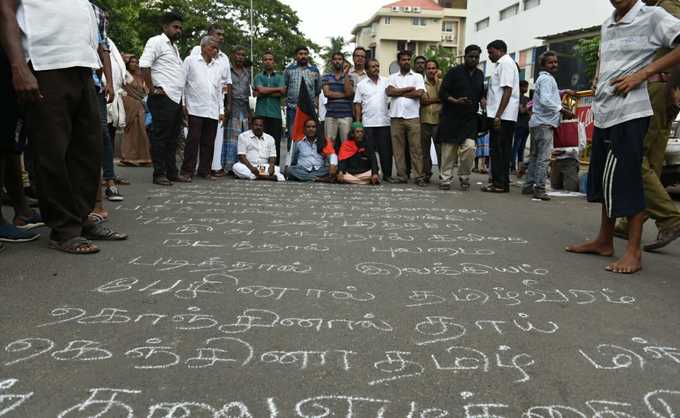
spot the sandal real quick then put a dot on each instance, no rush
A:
(101, 233)
(162, 181)
(76, 245)
(493, 189)
(97, 218)
(121, 181)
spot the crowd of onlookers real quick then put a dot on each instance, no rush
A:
(71, 93)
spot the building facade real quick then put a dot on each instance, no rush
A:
(414, 25)
(523, 24)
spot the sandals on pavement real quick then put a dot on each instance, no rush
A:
(76, 245)
(162, 181)
(102, 233)
(29, 222)
(493, 189)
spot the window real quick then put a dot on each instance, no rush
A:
(418, 21)
(482, 24)
(447, 26)
(530, 4)
(509, 12)
(387, 20)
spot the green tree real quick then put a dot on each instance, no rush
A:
(275, 25)
(336, 44)
(587, 50)
(444, 57)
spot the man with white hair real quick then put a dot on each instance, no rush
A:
(204, 106)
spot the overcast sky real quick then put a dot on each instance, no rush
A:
(322, 19)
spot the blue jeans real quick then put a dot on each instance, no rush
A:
(107, 161)
(541, 148)
(298, 173)
(518, 146)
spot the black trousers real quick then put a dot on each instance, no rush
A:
(66, 139)
(274, 127)
(200, 145)
(165, 129)
(379, 140)
(501, 153)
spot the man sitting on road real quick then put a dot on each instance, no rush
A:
(257, 154)
(312, 160)
(357, 164)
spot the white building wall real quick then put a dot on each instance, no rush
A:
(520, 31)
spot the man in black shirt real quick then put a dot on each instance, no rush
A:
(522, 128)
(461, 92)
(358, 164)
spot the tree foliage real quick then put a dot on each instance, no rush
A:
(444, 57)
(587, 51)
(275, 25)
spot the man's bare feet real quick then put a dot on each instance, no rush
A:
(592, 247)
(629, 264)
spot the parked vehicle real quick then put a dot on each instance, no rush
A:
(671, 170)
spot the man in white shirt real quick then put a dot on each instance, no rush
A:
(502, 108)
(205, 107)
(371, 108)
(406, 89)
(257, 154)
(223, 67)
(162, 69)
(51, 72)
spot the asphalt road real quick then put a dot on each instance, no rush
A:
(237, 299)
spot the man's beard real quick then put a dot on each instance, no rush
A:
(303, 61)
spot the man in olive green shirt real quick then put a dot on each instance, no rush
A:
(430, 107)
(269, 89)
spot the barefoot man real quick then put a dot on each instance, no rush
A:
(630, 38)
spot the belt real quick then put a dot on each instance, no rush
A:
(659, 78)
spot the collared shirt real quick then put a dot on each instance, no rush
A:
(240, 84)
(268, 106)
(628, 46)
(307, 155)
(505, 74)
(430, 113)
(258, 151)
(292, 77)
(459, 122)
(406, 107)
(374, 102)
(102, 26)
(203, 88)
(223, 66)
(45, 42)
(357, 77)
(162, 57)
(547, 102)
(337, 108)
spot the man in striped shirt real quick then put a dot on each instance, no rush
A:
(622, 109)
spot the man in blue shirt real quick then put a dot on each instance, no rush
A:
(338, 89)
(544, 120)
(310, 162)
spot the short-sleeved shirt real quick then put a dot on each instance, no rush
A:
(258, 151)
(337, 108)
(505, 74)
(307, 155)
(162, 57)
(406, 107)
(47, 45)
(523, 118)
(292, 77)
(374, 102)
(628, 46)
(268, 106)
(459, 122)
(357, 77)
(430, 113)
(203, 88)
(547, 102)
(240, 87)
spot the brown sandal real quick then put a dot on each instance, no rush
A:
(76, 245)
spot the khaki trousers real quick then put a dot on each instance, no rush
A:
(407, 131)
(464, 154)
(660, 206)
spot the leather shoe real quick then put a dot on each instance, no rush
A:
(180, 179)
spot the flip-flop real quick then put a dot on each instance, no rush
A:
(493, 189)
(76, 245)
